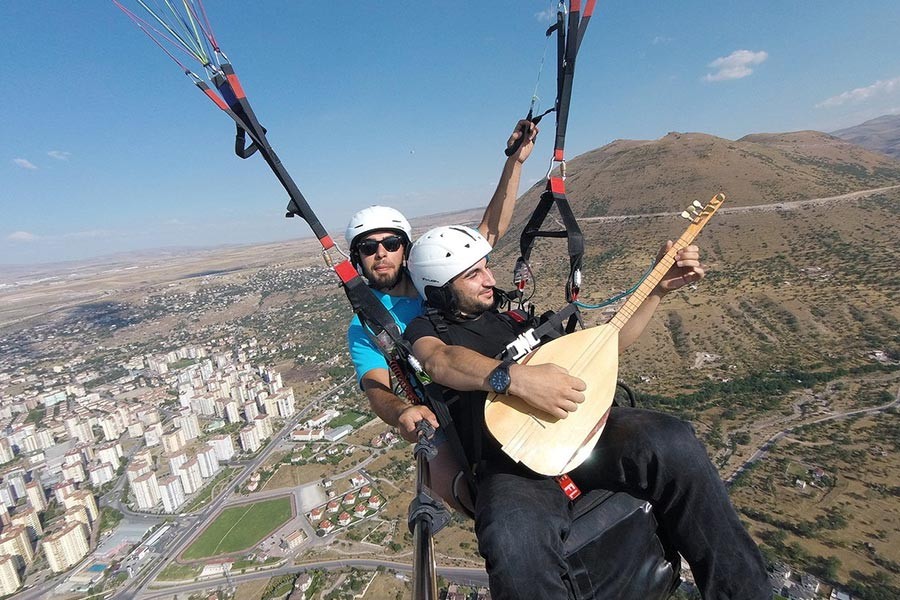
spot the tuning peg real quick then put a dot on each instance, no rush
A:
(697, 204)
(686, 215)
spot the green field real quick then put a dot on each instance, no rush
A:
(240, 528)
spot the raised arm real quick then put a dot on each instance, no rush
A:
(498, 213)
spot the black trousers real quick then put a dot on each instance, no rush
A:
(521, 519)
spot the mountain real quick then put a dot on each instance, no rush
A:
(640, 176)
(881, 134)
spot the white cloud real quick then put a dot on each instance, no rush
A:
(661, 39)
(21, 236)
(546, 16)
(59, 154)
(862, 94)
(736, 65)
(24, 163)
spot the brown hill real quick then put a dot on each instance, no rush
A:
(881, 134)
(641, 177)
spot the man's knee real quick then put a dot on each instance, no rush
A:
(654, 432)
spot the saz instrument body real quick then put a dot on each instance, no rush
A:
(552, 446)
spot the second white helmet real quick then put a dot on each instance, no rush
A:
(443, 253)
(374, 218)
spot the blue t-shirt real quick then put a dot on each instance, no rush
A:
(365, 355)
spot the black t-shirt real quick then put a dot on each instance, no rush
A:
(487, 334)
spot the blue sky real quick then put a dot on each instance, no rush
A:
(107, 147)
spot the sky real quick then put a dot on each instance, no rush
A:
(107, 147)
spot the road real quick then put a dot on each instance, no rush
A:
(456, 574)
(764, 449)
(780, 206)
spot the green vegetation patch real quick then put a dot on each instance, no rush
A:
(176, 572)
(240, 528)
(351, 417)
(109, 518)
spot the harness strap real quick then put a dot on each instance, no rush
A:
(569, 30)
(555, 194)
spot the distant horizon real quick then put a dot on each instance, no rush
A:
(122, 153)
(304, 233)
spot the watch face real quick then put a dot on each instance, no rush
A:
(499, 380)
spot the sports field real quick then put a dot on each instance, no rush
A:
(240, 528)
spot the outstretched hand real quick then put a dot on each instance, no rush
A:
(686, 269)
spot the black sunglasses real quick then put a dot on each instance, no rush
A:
(391, 243)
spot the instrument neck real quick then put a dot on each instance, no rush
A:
(646, 287)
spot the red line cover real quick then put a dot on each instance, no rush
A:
(212, 96)
(236, 86)
(557, 185)
(345, 271)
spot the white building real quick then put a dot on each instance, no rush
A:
(189, 425)
(111, 453)
(173, 441)
(209, 464)
(6, 451)
(9, 575)
(263, 426)
(36, 496)
(27, 517)
(146, 491)
(66, 547)
(285, 403)
(101, 474)
(153, 434)
(249, 437)
(322, 418)
(175, 461)
(79, 429)
(86, 499)
(16, 542)
(223, 446)
(74, 472)
(137, 468)
(191, 479)
(172, 493)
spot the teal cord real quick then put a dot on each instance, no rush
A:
(617, 297)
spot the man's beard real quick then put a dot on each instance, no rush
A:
(473, 306)
(384, 281)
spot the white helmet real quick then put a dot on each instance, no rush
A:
(442, 254)
(375, 218)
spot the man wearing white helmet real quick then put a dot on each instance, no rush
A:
(379, 239)
(647, 454)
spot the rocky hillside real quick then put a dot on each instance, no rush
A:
(641, 177)
(881, 135)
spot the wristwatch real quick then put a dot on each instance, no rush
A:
(499, 378)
